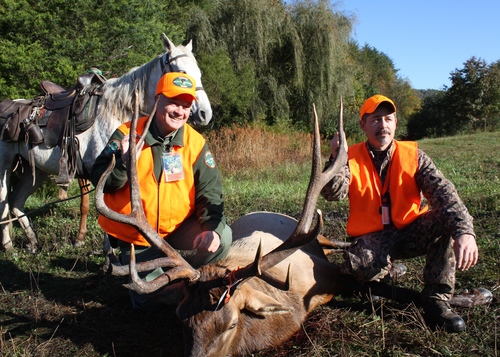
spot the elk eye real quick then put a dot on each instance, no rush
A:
(232, 326)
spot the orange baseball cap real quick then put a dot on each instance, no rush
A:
(173, 84)
(372, 103)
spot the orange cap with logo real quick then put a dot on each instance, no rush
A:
(372, 103)
(174, 84)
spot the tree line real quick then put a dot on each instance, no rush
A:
(471, 103)
(264, 62)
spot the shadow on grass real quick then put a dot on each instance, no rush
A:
(79, 313)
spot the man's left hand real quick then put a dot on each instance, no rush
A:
(466, 252)
(208, 241)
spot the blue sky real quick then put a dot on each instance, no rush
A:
(427, 39)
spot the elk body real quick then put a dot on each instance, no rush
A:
(258, 296)
(260, 313)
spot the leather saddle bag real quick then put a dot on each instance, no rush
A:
(12, 114)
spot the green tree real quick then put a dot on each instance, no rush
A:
(472, 102)
(422, 123)
(375, 73)
(253, 35)
(324, 35)
(296, 52)
(467, 98)
(58, 40)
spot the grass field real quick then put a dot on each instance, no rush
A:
(59, 303)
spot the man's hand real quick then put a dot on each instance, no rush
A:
(466, 252)
(208, 241)
(334, 145)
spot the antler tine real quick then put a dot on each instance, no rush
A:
(180, 269)
(318, 180)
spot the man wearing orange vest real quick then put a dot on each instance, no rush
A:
(386, 181)
(180, 184)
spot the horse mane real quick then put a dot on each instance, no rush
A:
(118, 93)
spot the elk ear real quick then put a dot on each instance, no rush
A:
(260, 303)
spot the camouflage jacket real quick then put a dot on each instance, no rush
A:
(440, 193)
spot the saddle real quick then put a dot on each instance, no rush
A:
(13, 114)
(72, 111)
(69, 112)
(70, 104)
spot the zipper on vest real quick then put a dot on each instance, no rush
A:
(158, 205)
(165, 148)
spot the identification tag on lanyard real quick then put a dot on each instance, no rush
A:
(172, 167)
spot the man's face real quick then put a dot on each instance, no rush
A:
(172, 113)
(380, 127)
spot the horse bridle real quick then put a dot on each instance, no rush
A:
(167, 66)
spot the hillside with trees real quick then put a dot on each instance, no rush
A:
(264, 62)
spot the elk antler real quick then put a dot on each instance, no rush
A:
(301, 235)
(180, 269)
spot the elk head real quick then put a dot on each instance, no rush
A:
(224, 307)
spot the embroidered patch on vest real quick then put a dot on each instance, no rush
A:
(209, 160)
(112, 147)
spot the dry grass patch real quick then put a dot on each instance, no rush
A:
(254, 149)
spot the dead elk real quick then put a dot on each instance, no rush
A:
(228, 310)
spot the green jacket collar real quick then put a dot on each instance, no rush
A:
(174, 139)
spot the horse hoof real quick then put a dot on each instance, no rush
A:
(31, 249)
(78, 244)
(8, 248)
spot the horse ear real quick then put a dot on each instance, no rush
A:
(169, 45)
(189, 46)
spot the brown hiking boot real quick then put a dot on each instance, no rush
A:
(439, 313)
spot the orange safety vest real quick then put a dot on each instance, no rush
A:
(366, 191)
(166, 204)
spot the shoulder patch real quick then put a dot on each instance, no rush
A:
(209, 160)
(112, 147)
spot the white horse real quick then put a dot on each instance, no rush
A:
(116, 106)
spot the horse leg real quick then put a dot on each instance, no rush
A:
(84, 211)
(63, 193)
(6, 228)
(7, 158)
(17, 199)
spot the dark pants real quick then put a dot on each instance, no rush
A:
(370, 256)
(181, 239)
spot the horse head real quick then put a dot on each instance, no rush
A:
(181, 59)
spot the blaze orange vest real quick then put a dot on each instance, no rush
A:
(366, 191)
(166, 204)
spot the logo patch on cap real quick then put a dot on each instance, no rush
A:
(209, 160)
(182, 82)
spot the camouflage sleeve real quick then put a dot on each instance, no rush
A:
(443, 197)
(338, 187)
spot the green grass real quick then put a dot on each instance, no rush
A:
(59, 303)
